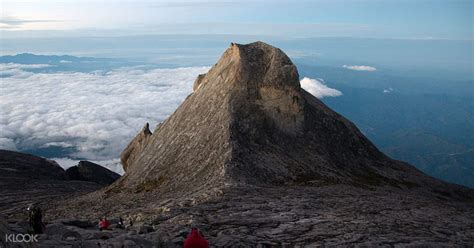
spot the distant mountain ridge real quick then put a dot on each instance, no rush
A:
(65, 63)
(29, 58)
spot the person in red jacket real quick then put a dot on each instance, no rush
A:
(103, 224)
(195, 240)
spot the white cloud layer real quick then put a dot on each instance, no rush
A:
(97, 113)
(360, 67)
(18, 70)
(10, 66)
(318, 88)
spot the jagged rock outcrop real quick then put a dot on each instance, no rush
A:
(88, 171)
(135, 147)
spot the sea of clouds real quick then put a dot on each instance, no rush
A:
(96, 113)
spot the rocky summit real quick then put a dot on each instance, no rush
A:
(249, 123)
(252, 159)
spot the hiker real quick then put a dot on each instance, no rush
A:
(35, 218)
(195, 240)
(103, 224)
(120, 223)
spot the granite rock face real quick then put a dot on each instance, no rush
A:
(248, 121)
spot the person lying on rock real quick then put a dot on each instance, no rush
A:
(103, 224)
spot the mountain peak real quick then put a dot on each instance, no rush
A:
(269, 64)
(257, 64)
(260, 76)
(248, 122)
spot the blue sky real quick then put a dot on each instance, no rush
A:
(417, 19)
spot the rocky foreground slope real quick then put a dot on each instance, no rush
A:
(251, 158)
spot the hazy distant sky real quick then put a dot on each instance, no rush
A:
(412, 19)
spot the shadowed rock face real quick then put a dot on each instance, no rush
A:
(20, 165)
(88, 171)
